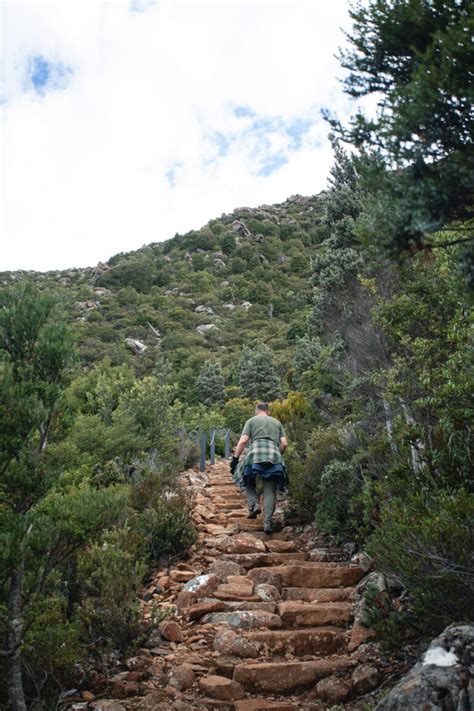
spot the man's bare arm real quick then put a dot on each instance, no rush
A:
(241, 444)
(283, 444)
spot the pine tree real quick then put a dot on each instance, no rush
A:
(210, 383)
(257, 374)
(416, 57)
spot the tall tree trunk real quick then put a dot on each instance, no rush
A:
(389, 425)
(419, 446)
(16, 695)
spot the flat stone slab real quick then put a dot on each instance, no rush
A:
(316, 594)
(316, 575)
(283, 676)
(314, 613)
(254, 560)
(244, 620)
(322, 640)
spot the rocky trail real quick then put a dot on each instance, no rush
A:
(254, 621)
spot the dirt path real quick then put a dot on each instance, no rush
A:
(257, 622)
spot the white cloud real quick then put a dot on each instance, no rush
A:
(152, 118)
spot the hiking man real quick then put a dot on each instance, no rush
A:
(263, 458)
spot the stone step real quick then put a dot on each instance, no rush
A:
(262, 704)
(315, 613)
(282, 676)
(315, 641)
(315, 575)
(260, 560)
(245, 605)
(317, 594)
(244, 620)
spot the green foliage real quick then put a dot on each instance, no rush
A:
(426, 542)
(414, 56)
(236, 412)
(110, 577)
(52, 649)
(210, 383)
(167, 528)
(257, 374)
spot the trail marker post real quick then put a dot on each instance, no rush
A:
(213, 446)
(202, 465)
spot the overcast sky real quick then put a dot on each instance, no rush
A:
(123, 123)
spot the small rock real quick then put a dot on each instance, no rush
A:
(171, 630)
(185, 600)
(242, 544)
(219, 687)
(365, 678)
(181, 677)
(224, 568)
(267, 592)
(261, 576)
(229, 642)
(88, 696)
(107, 705)
(182, 576)
(202, 585)
(332, 690)
(244, 620)
(163, 582)
(203, 608)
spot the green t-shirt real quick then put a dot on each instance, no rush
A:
(264, 427)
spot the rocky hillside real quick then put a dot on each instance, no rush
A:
(240, 278)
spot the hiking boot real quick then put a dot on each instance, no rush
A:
(253, 513)
(271, 527)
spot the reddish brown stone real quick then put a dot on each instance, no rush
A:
(225, 568)
(171, 630)
(202, 585)
(262, 705)
(244, 544)
(229, 642)
(280, 546)
(283, 676)
(203, 608)
(317, 595)
(332, 690)
(219, 687)
(359, 635)
(185, 600)
(267, 576)
(316, 575)
(267, 592)
(181, 677)
(314, 613)
(322, 640)
(182, 576)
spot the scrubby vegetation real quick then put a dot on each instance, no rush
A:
(350, 310)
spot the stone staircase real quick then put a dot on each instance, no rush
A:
(256, 621)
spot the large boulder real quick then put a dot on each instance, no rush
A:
(442, 679)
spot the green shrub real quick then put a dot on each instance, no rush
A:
(426, 542)
(111, 575)
(167, 527)
(52, 650)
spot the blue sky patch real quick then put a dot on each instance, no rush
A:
(141, 5)
(271, 164)
(222, 142)
(171, 174)
(243, 112)
(44, 75)
(296, 130)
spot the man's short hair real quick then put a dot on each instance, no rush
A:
(262, 407)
